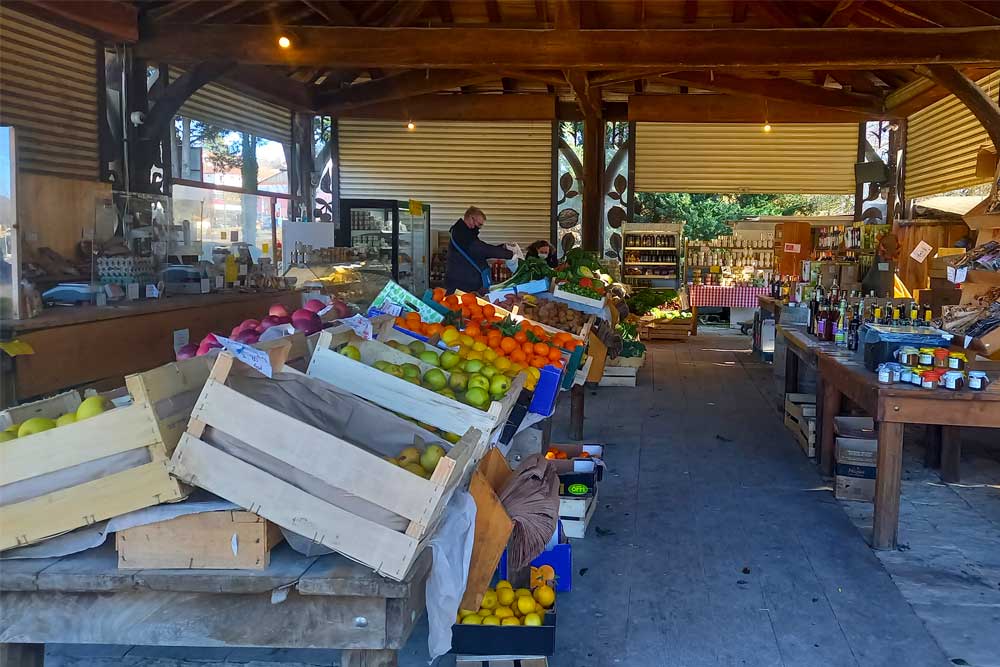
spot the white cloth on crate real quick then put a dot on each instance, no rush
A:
(452, 546)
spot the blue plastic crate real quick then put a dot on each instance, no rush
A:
(559, 556)
(546, 391)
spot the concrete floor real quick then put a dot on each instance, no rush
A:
(717, 543)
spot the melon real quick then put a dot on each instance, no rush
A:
(278, 310)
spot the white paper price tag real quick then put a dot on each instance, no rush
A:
(360, 324)
(251, 356)
(206, 286)
(152, 292)
(132, 291)
(921, 252)
(957, 275)
(220, 282)
(243, 269)
(883, 266)
(181, 338)
(101, 298)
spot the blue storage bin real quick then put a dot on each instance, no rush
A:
(546, 391)
(560, 557)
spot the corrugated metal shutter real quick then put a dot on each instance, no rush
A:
(728, 157)
(941, 145)
(503, 168)
(217, 104)
(48, 92)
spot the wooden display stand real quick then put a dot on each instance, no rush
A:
(675, 329)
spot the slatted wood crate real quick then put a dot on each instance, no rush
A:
(82, 483)
(800, 419)
(399, 395)
(622, 371)
(223, 540)
(675, 329)
(335, 462)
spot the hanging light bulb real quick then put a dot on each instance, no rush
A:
(411, 126)
(284, 42)
(767, 126)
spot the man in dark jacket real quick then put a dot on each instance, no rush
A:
(467, 255)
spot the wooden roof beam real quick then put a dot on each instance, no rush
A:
(273, 86)
(598, 79)
(567, 14)
(728, 109)
(948, 14)
(461, 107)
(332, 11)
(778, 89)
(397, 87)
(588, 98)
(115, 21)
(982, 106)
(842, 14)
(918, 94)
(405, 48)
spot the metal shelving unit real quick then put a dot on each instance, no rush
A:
(652, 255)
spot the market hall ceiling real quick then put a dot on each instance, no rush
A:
(821, 59)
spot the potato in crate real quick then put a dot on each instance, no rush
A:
(75, 462)
(322, 462)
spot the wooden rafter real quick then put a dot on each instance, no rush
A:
(398, 87)
(567, 14)
(740, 11)
(551, 77)
(779, 13)
(114, 21)
(461, 107)
(443, 9)
(272, 85)
(690, 11)
(842, 14)
(175, 94)
(950, 14)
(922, 92)
(842, 48)
(982, 106)
(588, 98)
(332, 11)
(778, 89)
(218, 8)
(493, 11)
(598, 79)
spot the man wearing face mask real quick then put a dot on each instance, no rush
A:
(468, 269)
(544, 250)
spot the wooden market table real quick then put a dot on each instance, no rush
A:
(327, 602)
(88, 344)
(843, 374)
(768, 303)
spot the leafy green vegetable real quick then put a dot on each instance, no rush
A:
(642, 301)
(529, 268)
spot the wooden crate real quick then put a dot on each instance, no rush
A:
(161, 404)
(618, 376)
(583, 335)
(578, 514)
(493, 525)
(800, 418)
(398, 395)
(676, 329)
(227, 540)
(337, 463)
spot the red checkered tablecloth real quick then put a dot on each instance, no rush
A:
(725, 297)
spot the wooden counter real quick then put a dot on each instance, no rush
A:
(89, 344)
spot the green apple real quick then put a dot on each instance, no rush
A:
(429, 459)
(7, 435)
(449, 359)
(351, 352)
(451, 437)
(416, 347)
(91, 407)
(479, 381)
(473, 365)
(435, 379)
(427, 427)
(447, 391)
(488, 371)
(459, 381)
(395, 344)
(67, 418)
(429, 357)
(477, 397)
(408, 456)
(391, 460)
(35, 425)
(12, 429)
(381, 365)
(395, 370)
(410, 371)
(500, 384)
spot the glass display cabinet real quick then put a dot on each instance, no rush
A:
(391, 237)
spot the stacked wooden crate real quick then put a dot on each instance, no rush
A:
(800, 418)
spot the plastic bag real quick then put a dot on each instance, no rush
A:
(919, 336)
(452, 545)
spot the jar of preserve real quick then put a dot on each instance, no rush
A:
(916, 378)
(926, 356)
(957, 361)
(953, 380)
(908, 355)
(896, 372)
(978, 380)
(941, 358)
(929, 379)
(906, 375)
(884, 374)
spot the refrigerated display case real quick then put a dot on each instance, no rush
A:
(391, 236)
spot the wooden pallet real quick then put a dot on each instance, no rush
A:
(161, 404)
(225, 540)
(335, 462)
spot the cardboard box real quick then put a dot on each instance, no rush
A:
(854, 427)
(855, 470)
(574, 462)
